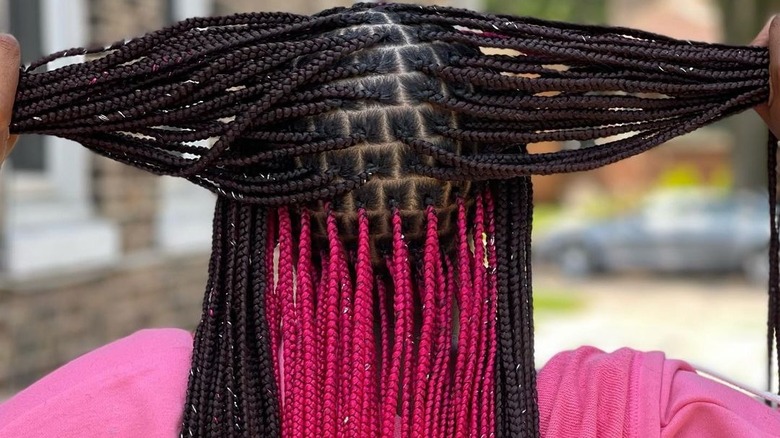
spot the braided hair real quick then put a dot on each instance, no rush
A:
(370, 271)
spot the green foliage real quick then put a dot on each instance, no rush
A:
(545, 217)
(688, 175)
(557, 301)
(580, 11)
(742, 19)
(679, 176)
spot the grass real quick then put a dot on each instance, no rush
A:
(557, 301)
(545, 216)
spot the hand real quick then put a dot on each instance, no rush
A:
(770, 37)
(9, 78)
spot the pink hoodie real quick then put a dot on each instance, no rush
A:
(587, 393)
(135, 387)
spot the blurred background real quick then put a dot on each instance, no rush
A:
(663, 251)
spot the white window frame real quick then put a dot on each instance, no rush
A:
(49, 222)
(185, 210)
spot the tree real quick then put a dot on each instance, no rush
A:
(581, 11)
(742, 19)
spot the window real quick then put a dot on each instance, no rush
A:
(49, 222)
(184, 217)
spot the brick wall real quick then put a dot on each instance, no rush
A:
(129, 197)
(49, 322)
(111, 20)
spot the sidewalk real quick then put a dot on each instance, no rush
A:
(718, 323)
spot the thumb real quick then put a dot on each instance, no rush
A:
(9, 78)
(770, 37)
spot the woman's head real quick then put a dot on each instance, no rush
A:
(385, 153)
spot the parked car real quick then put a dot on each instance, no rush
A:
(671, 232)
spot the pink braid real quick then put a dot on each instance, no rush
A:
(442, 344)
(321, 319)
(448, 402)
(428, 298)
(385, 382)
(490, 373)
(373, 396)
(311, 398)
(440, 371)
(272, 303)
(404, 276)
(401, 357)
(330, 303)
(288, 319)
(480, 290)
(466, 340)
(393, 374)
(359, 410)
(346, 312)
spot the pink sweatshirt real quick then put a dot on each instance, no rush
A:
(135, 387)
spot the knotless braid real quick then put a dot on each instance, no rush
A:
(773, 326)
(371, 267)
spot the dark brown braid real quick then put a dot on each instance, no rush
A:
(773, 319)
(381, 110)
(517, 412)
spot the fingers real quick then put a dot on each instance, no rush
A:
(9, 78)
(770, 37)
(774, 60)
